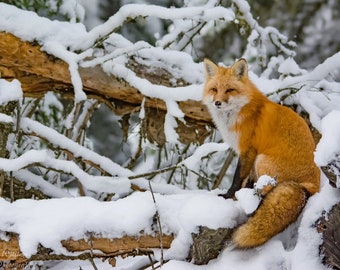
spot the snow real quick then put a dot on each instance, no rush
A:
(72, 59)
(273, 255)
(178, 213)
(115, 185)
(263, 181)
(202, 151)
(73, 10)
(35, 181)
(59, 140)
(289, 66)
(181, 211)
(39, 28)
(134, 10)
(9, 91)
(118, 68)
(247, 200)
(4, 118)
(329, 144)
(46, 221)
(40, 222)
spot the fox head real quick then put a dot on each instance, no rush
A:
(226, 88)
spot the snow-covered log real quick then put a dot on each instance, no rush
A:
(42, 230)
(84, 249)
(39, 72)
(33, 230)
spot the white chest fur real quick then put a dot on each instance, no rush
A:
(226, 116)
(224, 120)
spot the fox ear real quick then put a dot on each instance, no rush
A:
(240, 68)
(210, 68)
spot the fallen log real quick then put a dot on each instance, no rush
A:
(84, 249)
(39, 72)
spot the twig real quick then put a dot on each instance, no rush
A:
(159, 226)
(292, 90)
(85, 119)
(17, 128)
(91, 253)
(199, 175)
(193, 35)
(75, 112)
(99, 42)
(92, 263)
(151, 262)
(178, 161)
(226, 164)
(31, 108)
(143, 175)
(11, 186)
(158, 266)
(139, 151)
(2, 182)
(171, 175)
(69, 153)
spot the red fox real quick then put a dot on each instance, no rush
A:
(270, 139)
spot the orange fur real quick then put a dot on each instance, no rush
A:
(271, 140)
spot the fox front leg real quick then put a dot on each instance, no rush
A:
(244, 175)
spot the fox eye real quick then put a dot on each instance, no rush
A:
(229, 90)
(214, 89)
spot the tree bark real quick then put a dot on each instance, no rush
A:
(5, 130)
(329, 226)
(208, 243)
(14, 189)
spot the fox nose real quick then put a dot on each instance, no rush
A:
(218, 103)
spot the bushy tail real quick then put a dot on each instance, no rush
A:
(281, 207)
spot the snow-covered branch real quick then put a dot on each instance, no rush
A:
(186, 15)
(61, 142)
(119, 178)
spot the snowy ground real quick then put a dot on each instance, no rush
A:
(47, 222)
(181, 212)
